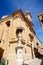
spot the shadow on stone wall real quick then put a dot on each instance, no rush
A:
(38, 55)
(42, 62)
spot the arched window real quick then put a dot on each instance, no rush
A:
(8, 23)
(19, 29)
(0, 41)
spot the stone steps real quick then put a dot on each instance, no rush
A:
(33, 62)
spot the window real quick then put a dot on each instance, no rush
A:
(19, 29)
(0, 41)
(8, 23)
(37, 44)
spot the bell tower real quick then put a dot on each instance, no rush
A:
(28, 16)
(40, 16)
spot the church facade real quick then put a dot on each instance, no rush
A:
(19, 44)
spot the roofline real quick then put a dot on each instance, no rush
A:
(6, 18)
(20, 14)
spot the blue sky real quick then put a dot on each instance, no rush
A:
(33, 6)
